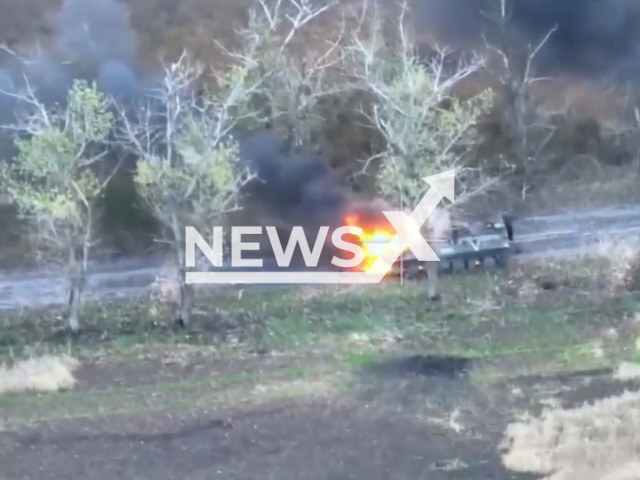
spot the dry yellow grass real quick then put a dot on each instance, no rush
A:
(622, 259)
(628, 371)
(45, 374)
(611, 267)
(166, 288)
(599, 441)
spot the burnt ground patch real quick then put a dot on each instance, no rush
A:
(427, 386)
(445, 392)
(444, 366)
(438, 391)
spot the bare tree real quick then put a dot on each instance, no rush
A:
(296, 74)
(516, 76)
(189, 172)
(51, 180)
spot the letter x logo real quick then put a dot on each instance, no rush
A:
(408, 226)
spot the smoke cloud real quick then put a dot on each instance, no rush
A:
(95, 40)
(293, 183)
(89, 40)
(594, 36)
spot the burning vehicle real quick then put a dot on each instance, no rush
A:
(297, 188)
(459, 245)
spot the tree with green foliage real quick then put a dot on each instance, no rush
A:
(52, 180)
(425, 128)
(188, 171)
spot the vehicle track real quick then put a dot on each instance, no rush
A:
(561, 234)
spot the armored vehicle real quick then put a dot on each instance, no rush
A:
(469, 247)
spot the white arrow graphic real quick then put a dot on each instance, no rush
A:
(407, 226)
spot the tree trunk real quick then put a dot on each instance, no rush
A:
(77, 270)
(186, 302)
(432, 280)
(186, 291)
(75, 296)
(521, 133)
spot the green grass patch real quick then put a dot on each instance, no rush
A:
(37, 408)
(476, 317)
(482, 316)
(337, 331)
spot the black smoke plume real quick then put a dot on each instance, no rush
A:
(594, 37)
(294, 183)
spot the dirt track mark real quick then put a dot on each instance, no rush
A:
(39, 437)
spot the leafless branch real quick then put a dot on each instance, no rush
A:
(408, 112)
(533, 54)
(25, 61)
(30, 123)
(272, 17)
(305, 14)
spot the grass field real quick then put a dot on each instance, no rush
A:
(364, 382)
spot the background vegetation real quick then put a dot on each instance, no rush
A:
(380, 93)
(568, 126)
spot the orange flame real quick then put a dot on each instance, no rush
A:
(373, 240)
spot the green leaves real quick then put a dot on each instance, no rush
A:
(89, 118)
(47, 179)
(190, 173)
(201, 185)
(45, 154)
(423, 136)
(425, 128)
(213, 163)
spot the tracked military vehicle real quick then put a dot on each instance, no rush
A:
(470, 247)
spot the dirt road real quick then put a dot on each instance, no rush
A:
(536, 235)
